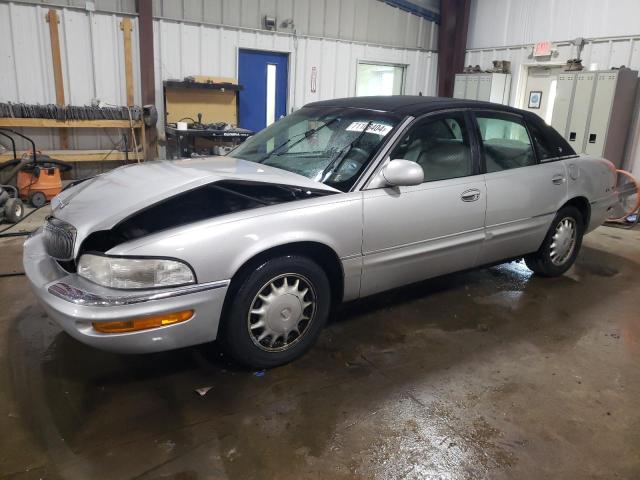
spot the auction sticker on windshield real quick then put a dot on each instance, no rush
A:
(377, 128)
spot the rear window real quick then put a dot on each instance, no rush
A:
(548, 143)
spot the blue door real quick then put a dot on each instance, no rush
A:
(264, 78)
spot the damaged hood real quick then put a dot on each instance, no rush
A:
(105, 200)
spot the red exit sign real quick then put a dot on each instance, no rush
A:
(542, 49)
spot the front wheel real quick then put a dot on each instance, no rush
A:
(277, 313)
(561, 245)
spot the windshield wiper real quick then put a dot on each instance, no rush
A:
(342, 154)
(305, 135)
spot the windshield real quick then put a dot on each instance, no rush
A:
(329, 145)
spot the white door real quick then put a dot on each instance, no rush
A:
(412, 233)
(541, 91)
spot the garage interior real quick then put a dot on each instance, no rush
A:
(488, 373)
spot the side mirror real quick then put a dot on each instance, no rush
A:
(403, 173)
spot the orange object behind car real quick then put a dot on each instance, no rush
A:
(39, 179)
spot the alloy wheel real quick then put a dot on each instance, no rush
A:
(563, 241)
(281, 312)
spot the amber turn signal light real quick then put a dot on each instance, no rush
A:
(143, 323)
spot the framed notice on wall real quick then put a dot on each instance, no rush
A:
(535, 99)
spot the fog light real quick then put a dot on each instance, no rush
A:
(143, 323)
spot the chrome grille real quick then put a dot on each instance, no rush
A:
(59, 239)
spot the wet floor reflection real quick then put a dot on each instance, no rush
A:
(428, 381)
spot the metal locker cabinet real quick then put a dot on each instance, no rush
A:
(582, 96)
(610, 123)
(472, 87)
(500, 88)
(459, 86)
(605, 90)
(562, 105)
(484, 87)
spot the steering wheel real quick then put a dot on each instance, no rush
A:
(351, 164)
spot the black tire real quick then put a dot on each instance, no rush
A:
(13, 210)
(37, 199)
(542, 262)
(241, 342)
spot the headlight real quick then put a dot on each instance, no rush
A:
(123, 272)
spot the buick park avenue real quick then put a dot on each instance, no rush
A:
(340, 200)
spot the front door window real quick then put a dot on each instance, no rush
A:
(440, 146)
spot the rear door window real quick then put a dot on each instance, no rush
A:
(505, 142)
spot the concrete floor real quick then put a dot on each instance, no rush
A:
(486, 374)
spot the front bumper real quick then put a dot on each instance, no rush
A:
(75, 303)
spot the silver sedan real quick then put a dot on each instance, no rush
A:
(337, 201)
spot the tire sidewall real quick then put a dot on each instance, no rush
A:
(235, 334)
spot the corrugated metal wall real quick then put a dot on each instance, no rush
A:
(524, 25)
(93, 60)
(361, 20)
(371, 21)
(495, 23)
(92, 50)
(184, 49)
(109, 6)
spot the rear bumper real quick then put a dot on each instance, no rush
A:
(74, 304)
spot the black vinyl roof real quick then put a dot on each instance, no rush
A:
(417, 105)
(409, 104)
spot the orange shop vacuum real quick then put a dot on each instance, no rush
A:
(38, 177)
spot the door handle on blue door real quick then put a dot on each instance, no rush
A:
(558, 179)
(470, 195)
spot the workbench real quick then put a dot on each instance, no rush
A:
(182, 143)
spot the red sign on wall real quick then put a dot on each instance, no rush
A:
(542, 49)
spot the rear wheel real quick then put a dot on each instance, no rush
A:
(561, 245)
(278, 312)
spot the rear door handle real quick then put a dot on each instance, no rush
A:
(470, 195)
(558, 179)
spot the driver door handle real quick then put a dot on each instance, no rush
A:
(470, 195)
